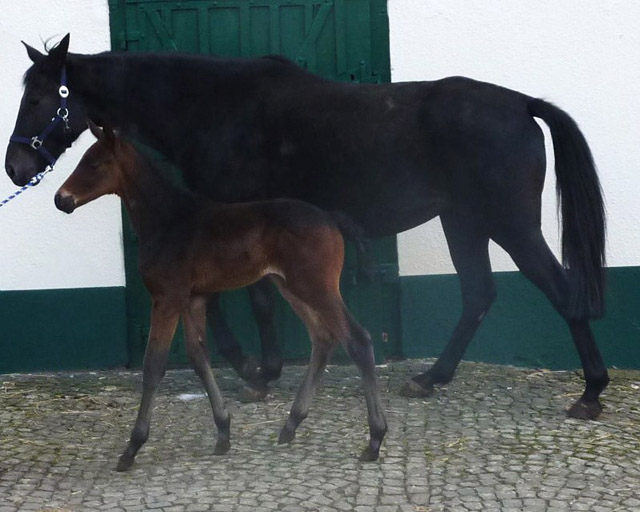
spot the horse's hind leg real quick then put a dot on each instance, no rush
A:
(263, 302)
(468, 245)
(227, 344)
(530, 252)
(164, 320)
(194, 327)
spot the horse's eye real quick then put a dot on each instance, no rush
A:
(34, 101)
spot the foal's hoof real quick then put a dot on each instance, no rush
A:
(286, 436)
(582, 410)
(369, 455)
(124, 463)
(412, 389)
(250, 394)
(222, 447)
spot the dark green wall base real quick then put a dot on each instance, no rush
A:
(521, 328)
(86, 328)
(62, 329)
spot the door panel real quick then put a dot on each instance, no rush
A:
(340, 39)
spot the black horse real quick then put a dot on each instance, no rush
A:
(391, 156)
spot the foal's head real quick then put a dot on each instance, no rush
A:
(98, 173)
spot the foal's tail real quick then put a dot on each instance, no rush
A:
(583, 216)
(353, 232)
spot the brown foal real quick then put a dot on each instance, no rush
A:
(191, 247)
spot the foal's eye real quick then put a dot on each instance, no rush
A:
(34, 101)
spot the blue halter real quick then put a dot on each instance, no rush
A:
(62, 114)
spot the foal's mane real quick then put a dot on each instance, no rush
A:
(151, 179)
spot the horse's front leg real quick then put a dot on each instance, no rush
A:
(164, 319)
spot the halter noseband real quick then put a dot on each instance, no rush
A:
(62, 114)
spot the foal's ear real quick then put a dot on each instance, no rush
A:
(95, 129)
(109, 136)
(33, 54)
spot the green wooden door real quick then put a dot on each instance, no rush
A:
(340, 39)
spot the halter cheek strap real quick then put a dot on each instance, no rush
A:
(62, 114)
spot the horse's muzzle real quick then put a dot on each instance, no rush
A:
(64, 202)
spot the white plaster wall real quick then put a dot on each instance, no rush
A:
(41, 247)
(582, 55)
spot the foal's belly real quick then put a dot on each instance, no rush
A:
(213, 279)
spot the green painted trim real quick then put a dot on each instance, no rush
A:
(521, 328)
(62, 329)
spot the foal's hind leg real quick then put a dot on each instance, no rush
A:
(164, 320)
(530, 252)
(328, 321)
(320, 353)
(194, 327)
(360, 349)
(468, 245)
(321, 348)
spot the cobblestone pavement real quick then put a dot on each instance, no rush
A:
(496, 438)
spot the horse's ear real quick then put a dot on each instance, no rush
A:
(95, 129)
(58, 53)
(33, 54)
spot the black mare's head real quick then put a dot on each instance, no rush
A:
(40, 102)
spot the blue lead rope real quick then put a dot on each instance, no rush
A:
(32, 183)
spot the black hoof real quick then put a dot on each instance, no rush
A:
(582, 410)
(369, 455)
(286, 436)
(222, 447)
(250, 394)
(271, 371)
(124, 463)
(412, 389)
(249, 371)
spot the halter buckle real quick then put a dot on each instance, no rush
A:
(36, 143)
(63, 91)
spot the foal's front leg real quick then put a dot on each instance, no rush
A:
(164, 320)
(194, 328)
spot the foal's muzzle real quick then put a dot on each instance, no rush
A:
(64, 202)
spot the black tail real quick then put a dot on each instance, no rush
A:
(583, 215)
(353, 232)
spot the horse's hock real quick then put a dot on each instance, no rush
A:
(496, 438)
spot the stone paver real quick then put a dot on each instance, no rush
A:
(496, 438)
